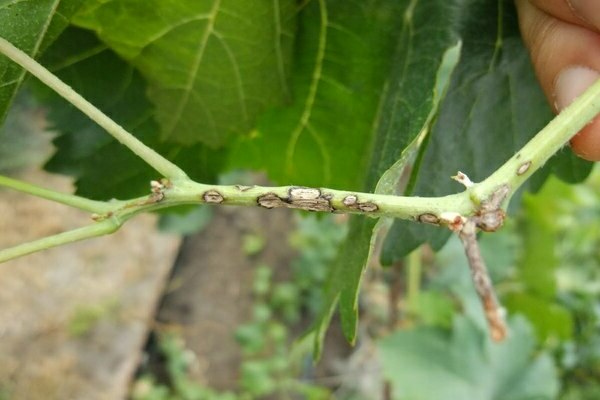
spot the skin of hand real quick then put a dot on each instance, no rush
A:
(563, 38)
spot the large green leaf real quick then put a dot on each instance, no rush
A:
(493, 107)
(429, 364)
(212, 65)
(104, 168)
(407, 107)
(540, 234)
(344, 50)
(31, 25)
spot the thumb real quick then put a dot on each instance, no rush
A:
(566, 58)
(570, 83)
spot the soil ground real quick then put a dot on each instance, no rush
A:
(73, 319)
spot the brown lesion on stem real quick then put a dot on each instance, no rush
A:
(368, 207)
(351, 201)
(308, 199)
(298, 197)
(312, 199)
(270, 200)
(523, 168)
(157, 189)
(101, 217)
(429, 218)
(213, 197)
(489, 218)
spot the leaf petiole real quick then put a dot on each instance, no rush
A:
(152, 158)
(81, 203)
(97, 229)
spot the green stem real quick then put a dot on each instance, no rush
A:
(180, 189)
(98, 229)
(81, 203)
(543, 146)
(314, 199)
(158, 162)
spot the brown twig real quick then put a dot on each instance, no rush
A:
(494, 312)
(488, 218)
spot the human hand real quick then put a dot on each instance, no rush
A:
(563, 37)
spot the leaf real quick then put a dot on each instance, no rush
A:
(344, 50)
(31, 25)
(538, 261)
(427, 363)
(539, 233)
(566, 166)
(407, 107)
(550, 320)
(483, 120)
(104, 168)
(212, 66)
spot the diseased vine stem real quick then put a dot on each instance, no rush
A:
(446, 211)
(479, 206)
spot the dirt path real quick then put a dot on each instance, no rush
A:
(73, 319)
(211, 293)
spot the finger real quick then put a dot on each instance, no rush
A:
(557, 46)
(570, 83)
(587, 10)
(560, 9)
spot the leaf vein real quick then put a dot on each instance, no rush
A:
(236, 72)
(278, 50)
(170, 28)
(324, 153)
(193, 73)
(312, 93)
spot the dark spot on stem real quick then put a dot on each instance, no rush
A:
(270, 200)
(368, 207)
(310, 199)
(490, 221)
(523, 168)
(301, 198)
(429, 218)
(213, 197)
(350, 200)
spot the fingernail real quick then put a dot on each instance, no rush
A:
(586, 10)
(571, 82)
